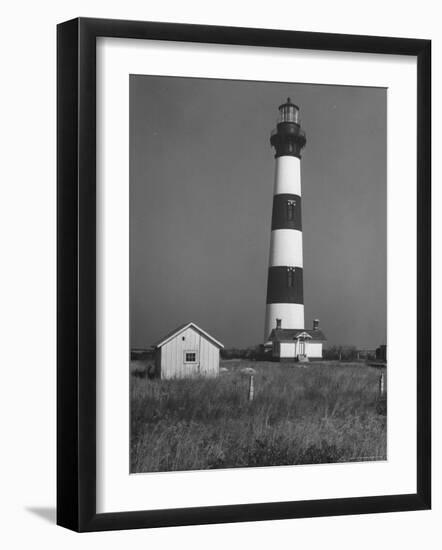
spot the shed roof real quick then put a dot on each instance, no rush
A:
(290, 334)
(182, 328)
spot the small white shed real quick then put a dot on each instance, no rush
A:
(187, 351)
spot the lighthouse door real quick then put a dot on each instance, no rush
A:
(301, 346)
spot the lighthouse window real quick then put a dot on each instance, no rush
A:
(291, 210)
(291, 277)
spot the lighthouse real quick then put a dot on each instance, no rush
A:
(285, 300)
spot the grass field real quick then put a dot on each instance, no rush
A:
(324, 412)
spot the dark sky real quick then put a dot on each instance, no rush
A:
(201, 187)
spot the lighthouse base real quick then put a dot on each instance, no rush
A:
(290, 316)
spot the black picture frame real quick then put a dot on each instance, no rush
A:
(76, 274)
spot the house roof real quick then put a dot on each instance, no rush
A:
(182, 328)
(289, 334)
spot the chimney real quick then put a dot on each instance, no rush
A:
(315, 324)
(278, 323)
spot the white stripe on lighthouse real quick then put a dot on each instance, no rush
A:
(291, 316)
(287, 175)
(286, 248)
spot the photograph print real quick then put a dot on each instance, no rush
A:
(258, 274)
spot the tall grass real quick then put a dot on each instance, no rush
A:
(322, 413)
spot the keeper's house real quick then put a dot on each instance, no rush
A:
(289, 344)
(186, 352)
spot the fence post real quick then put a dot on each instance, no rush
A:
(251, 388)
(381, 385)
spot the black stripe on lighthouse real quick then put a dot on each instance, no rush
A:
(284, 285)
(286, 212)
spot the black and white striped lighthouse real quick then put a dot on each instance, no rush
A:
(285, 301)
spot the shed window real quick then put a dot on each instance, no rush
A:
(190, 356)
